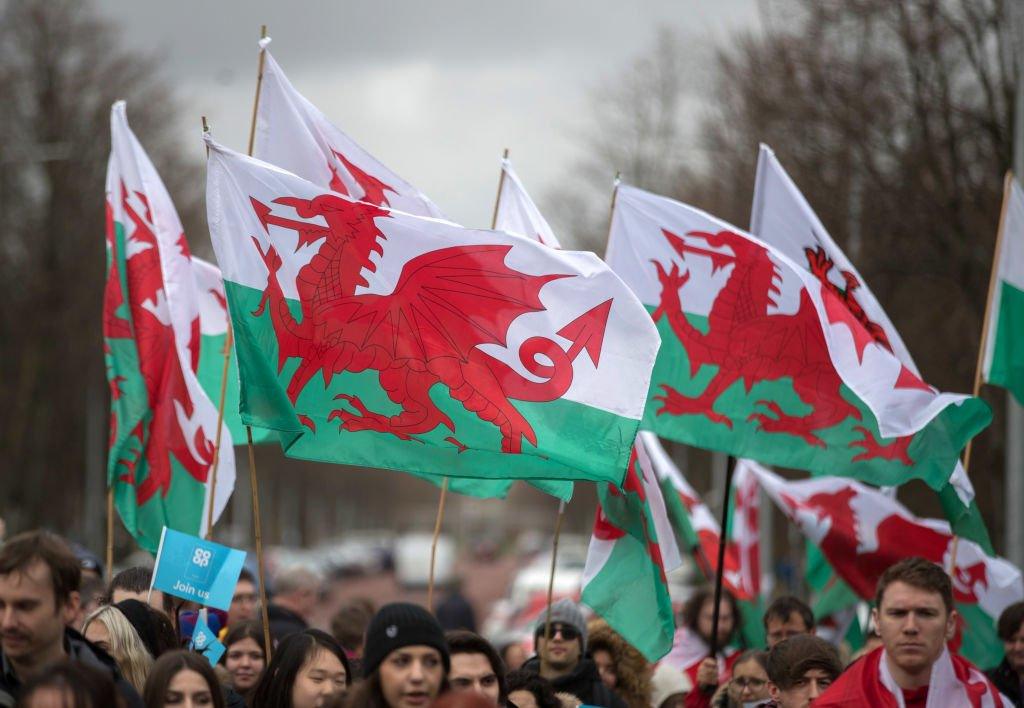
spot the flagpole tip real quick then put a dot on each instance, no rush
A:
(206, 126)
(263, 31)
(505, 154)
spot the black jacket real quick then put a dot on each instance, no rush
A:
(1008, 682)
(78, 649)
(583, 682)
(284, 622)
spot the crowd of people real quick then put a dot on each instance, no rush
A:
(67, 639)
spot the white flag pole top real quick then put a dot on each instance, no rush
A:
(872, 374)
(782, 216)
(517, 212)
(177, 302)
(618, 384)
(293, 133)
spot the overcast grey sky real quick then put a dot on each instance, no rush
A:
(435, 89)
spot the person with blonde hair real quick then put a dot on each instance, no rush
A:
(111, 631)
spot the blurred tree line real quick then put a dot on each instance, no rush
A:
(61, 67)
(894, 117)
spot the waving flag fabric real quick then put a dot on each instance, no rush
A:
(162, 424)
(631, 550)
(782, 218)
(762, 360)
(293, 134)
(862, 532)
(372, 337)
(517, 213)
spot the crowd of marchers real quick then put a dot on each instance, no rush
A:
(70, 639)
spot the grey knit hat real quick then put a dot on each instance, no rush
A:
(565, 611)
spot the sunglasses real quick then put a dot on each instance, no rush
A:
(567, 631)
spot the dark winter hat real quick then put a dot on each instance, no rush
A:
(401, 624)
(565, 611)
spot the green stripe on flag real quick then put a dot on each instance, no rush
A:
(1007, 369)
(264, 403)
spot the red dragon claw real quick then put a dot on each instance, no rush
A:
(896, 450)
(308, 422)
(818, 262)
(675, 403)
(784, 423)
(671, 282)
(454, 441)
(366, 420)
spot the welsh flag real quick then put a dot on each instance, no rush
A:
(1003, 363)
(516, 212)
(293, 134)
(862, 531)
(162, 424)
(371, 337)
(631, 550)
(762, 360)
(783, 218)
(697, 527)
(213, 330)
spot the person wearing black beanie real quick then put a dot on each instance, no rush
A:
(405, 659)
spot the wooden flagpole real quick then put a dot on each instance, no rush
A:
(723, 540)
(986, 324)
(551, 579)
(220, 407)
(433, 545)
(444, 485)
(253, 482)
(110, 533)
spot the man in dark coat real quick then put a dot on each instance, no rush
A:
(39, 579)
(562, 658)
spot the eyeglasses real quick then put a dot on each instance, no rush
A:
(567, 631)
(751, 683)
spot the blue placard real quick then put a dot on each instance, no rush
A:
(197, 570)
(205, 642)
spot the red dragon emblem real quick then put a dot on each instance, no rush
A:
(749, 344)
(427, 331)
(160, 433)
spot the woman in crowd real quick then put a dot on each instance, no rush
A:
(749, 682)
(1009, 675)
(182, 678)
(70, 684)
(622, 668)
(308, 669)
(405, 660)
(110, 630)
(244, 657)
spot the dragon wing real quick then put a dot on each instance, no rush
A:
(447, 302)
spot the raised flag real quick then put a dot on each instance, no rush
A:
(376, 338)
(782, 217)
(204, 641)
(516, 212)
(862, 532)
(763, 361)
(293, 134)
(1003, 348)
(631, 550)
(195, 569)
(162, 424)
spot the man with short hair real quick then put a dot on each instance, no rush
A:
(562, 660)
(787, 617)
(915, 618)
(800, 668)
(39, 579)
(133, 584)
(296, 592)
(476, 666)
(244, 601)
